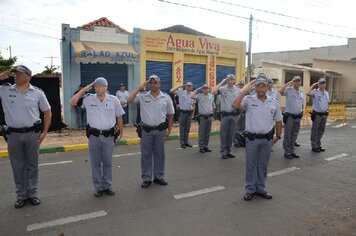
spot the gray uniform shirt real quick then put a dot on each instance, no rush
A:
(22, 109)
(227, 96)
(273, 93)
(102, 115)
(294, 100)
(320, 100)
(122, 96)
(185, 101)
(260, 115)
(205, 104)
(154, 109)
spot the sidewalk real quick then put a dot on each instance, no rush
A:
(72, 140)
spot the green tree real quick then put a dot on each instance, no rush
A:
(50, 69)
(6, 64)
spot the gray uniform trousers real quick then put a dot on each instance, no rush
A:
(291, 131)
(317, 131)
(23, 154)
(258, 153)
(100, 151)
(152, 154)
(185, 121)
(227, 133)
(204, 131)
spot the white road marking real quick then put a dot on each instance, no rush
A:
(67, 220)
(55, 163)
(127, 154)
(327, 124)
(284, 171)
(305, 132)
(194, 146)
(198, 192)
(340, 125)
(354, 127)
(336, 157)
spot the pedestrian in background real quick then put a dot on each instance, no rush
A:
(21, 103)
(320, 113)
(262, 111)
(157, 119)
(229, 115)
(80, 110)
(105, 127)
(292, 116)
(122, 94)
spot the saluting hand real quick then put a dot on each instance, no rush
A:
(249, 86)
(315, 84)
(88, 87)
(4, 75)
(143, 86)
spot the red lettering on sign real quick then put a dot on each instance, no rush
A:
(178, 75)
(212, 64)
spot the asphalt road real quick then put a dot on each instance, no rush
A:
(313, 195)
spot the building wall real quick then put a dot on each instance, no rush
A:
(342, 52)
(347, 85)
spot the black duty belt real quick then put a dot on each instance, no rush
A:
(299, 116)
(186, 111)
(21, 130)
(159, 127)
(98, 132)
(206, 116)
(231, 113)
(321, 113)
(253, 136)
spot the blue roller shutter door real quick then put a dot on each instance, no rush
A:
(222, 71)
(115, 74)
(163, 70)
(195, 73)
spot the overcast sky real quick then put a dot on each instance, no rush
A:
(33, 27)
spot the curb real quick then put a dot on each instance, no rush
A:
(84, 146)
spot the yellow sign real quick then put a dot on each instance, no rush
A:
(190, 44)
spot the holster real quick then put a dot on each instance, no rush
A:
(3, 131)
(37, 127)
(116, 133)
(285, 117)
(138, 130)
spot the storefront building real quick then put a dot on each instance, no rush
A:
(178, 58)
(97, 49)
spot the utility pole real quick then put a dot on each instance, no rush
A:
(249, 53)
(51, 59)
(10, 51)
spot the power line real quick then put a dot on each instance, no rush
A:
(15, 29)
(246, 18)
(281, 14)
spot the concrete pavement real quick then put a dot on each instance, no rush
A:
(315, 196)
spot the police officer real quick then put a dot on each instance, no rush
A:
(292, 116)
(320, 113)
(239, 140)
(186, 105)
(261, 112)
(272, 92)
(205, 115)
(105, 126)
(229, 115)
(157, 119)
(21, 103)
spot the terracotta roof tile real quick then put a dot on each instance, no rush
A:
(103, 22)
(183, 30)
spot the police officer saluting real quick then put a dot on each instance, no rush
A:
(105, 127)
(292, 116)
(186, 109)
(320, 113)
(261, 112)
(229, 115)
(21, 103)
(205, 116)
(157, 118)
